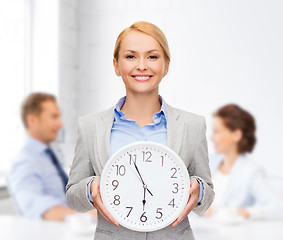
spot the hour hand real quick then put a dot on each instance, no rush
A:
(149, 192)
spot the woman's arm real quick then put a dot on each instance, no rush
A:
(200, 168)
(80, 174)
(267, 205)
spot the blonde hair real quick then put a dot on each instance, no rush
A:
(147, 28)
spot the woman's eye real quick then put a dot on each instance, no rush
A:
(130, 56)
(153, 57)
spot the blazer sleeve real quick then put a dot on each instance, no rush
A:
(200, 168)
(80, 174)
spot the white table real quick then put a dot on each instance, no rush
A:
(207, 229)
(19, 228)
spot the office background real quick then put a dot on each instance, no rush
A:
(222, 52)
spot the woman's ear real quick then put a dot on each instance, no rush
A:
(238, 134)
(116, 67)
(166, 69)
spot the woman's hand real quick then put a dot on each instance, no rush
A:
(97, 201)
(192, 202)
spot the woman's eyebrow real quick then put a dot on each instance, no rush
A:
(132, 51)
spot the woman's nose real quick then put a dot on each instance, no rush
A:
(141, 65)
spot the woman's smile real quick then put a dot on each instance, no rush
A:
(142, 77)
(141, 63)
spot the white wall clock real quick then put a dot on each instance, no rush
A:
(145, 186)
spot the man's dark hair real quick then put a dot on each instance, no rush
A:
(33, 105)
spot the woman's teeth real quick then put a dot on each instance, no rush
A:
(141, 77)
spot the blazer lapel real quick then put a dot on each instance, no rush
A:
(103, 131)
(175, 129)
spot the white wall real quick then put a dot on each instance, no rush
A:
(222, 52)
(68, 68)
(44, 45)
(14, 38)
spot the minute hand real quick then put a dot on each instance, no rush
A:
(141, 178)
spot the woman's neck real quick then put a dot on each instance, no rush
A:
(141, 107)
(229, 160)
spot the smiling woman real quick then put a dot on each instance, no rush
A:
(142, 70)
(141, 58)
(142, 54)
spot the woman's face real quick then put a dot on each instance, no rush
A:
(225, 141)
(141, 63)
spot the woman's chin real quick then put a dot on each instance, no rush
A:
(142, 90)
(218, 151)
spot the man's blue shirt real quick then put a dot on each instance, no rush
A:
(34, 182)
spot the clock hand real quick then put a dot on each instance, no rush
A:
(143, 201)
(149, 191)
(139, 172)
(141, 177)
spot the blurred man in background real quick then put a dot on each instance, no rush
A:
(37, 180)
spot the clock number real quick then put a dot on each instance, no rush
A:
(162, 160)
(131, 208)
(121, 170)
(176, 188)
(133, 158)
(158, 211)
(148, 158)
(175, 171)
(172, 203)
(143, 218)
(116, 200)
(115, 184)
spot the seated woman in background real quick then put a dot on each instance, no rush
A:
(239, 181)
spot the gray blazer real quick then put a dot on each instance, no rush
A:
(185, 135)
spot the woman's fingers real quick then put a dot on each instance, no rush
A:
(97, 202)
(105, 212)
(192, 202)
(189, 207)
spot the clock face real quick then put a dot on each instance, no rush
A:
(145, 186)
